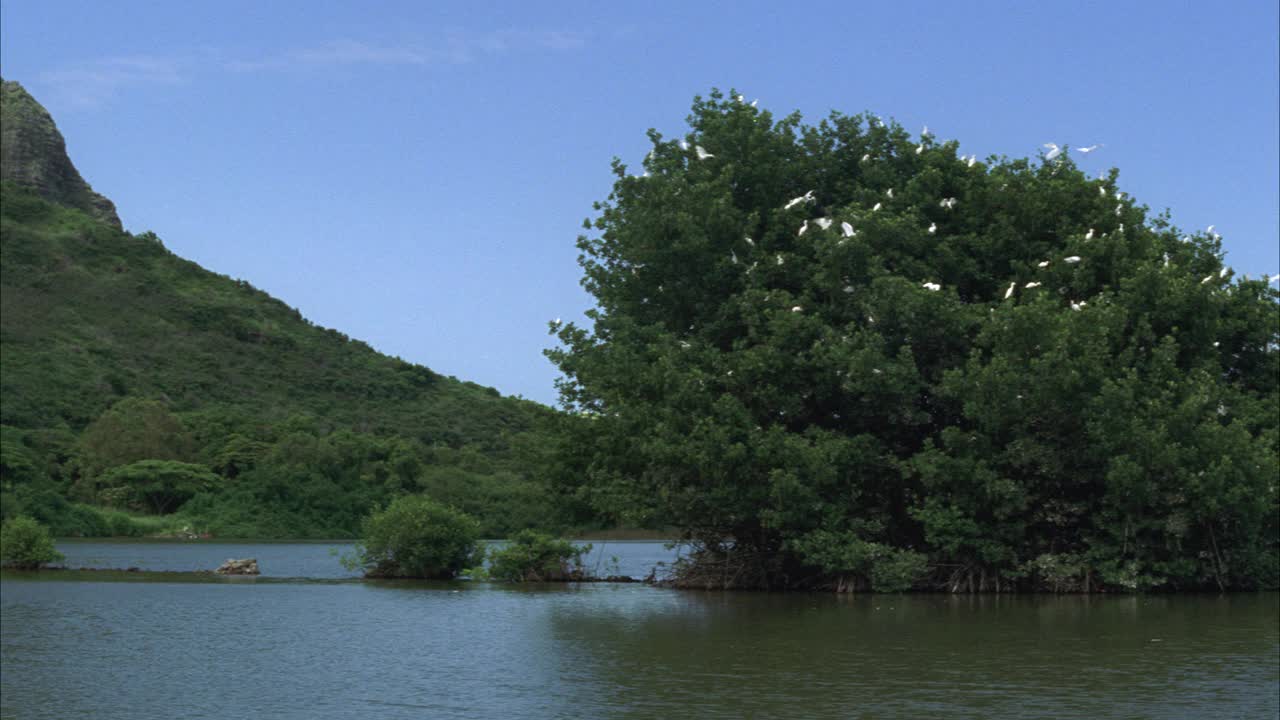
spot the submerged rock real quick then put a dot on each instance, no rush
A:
(247, 566)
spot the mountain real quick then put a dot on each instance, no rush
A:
(34, 155)
(101, 331)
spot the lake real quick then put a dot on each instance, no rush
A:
(307, 641)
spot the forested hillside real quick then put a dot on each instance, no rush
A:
(254, 421)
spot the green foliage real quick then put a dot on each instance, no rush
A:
(532, 556)
(158, 485)
(115, 351)
(26, 544)
(416, 537)
(804, 404)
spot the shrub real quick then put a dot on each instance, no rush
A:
(537, 557)
(416, 537)
(26, 545)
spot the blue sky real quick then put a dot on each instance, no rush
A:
(415, 174)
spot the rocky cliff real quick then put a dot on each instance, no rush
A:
(34, 155)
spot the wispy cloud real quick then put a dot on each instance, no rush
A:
(90, 84)
(451, 48)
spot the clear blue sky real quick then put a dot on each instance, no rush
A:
(414, 174)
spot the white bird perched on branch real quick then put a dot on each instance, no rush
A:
(1102, 191)
(1043, 264)
(1071, 260)
(803, 229)
(797, 308)
(1030, 285)
(1207, 279)
(750, 242)
(556, 322)
(805, 198)
(877, 207)
(925, 132)
(973, 160)
(753, 102)
(889, 193)
(935, 287)
(1223, 273)
(779, 259)
(1089, 235)
(824, 222)
(1076, 306)
(866, 157)
(920, 148)
(733, 257)
(684, 144)
(1009, 293)
(846, 229)
(702, 154)
(933, 228)
(1054, 151)
(948, 203)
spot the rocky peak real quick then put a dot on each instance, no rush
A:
(34, 155)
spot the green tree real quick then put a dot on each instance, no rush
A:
(841, 356)
(416, 537)
(26, 545)
(131, 430)
(160, 486)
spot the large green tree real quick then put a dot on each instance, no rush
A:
(842, 356)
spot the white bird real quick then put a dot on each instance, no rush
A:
(920, 148)
(685, 345)
(1008, 293)
(973, 160)
(1166, 259)
(1119, 194)
(780, 259)
(1119, 210)
(823, 222)
(753, 102)
(703, 154)
(1071, 260)
(1102, 191)
(1223, 272)
(1043, 264)
(556, 322)
(877, 371)
(750, 242)
(866, 157)
(805, 198)
(933, 228)
(740, 99)
(1216, 343)
(846, 229)
(684, 144)
(1120, 229)
(935, 287)
(889, 193)
(803, 228)
(797, 308)
(1089, 235)
(1054, 151)
(1273, 278)
(848, 289)
(1030, 285)
(733, 257)
(1206, 279)
(947, 203)
(877, 207)
(1087, 150)
(1076, 306)
(925, 131)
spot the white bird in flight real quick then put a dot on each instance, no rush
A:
(703, 154)
(1054, 151)
(805, 198)
(1087, 150)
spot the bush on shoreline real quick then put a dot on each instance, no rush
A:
(26, 545)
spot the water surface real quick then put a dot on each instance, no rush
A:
(339, 649)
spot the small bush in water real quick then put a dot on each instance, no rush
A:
(537, 557)
(26, 545)
(416, 537)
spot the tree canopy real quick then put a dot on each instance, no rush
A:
(838, 355)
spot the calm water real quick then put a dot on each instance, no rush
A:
(286, 649)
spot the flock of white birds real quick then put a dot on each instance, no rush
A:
(847, 229)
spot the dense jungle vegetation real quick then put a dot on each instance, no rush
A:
(840, 356)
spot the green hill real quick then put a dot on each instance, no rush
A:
(114, 352)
